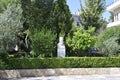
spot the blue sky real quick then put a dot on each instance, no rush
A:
(74, 6)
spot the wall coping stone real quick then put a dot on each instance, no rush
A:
(56, 72)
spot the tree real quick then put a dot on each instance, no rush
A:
(43, 8)
(26, 7)
(61, 18)
(91, 14)
(36, 14)
(37, 17)
(11, 24)
(3, 4)
(43, 43)
(82, 40)
(111, 17)
(108, 41)
(118, 40)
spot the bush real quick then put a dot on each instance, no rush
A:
(2, 65)
(43, 43)
(11, 24)
(3, 4)
(107, 41)
(82, 40)
(80, 62)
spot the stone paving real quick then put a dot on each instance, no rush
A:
(74, 77)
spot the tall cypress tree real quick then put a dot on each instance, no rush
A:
(36, 13)
(43, 8)
(26, 6)
(91, 14)
(61, 19)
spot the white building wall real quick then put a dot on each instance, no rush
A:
(115, 8)
(116, 0)
(116, 23)
(117, 15)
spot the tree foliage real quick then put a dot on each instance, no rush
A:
(11, 24)
(26, 7)
(36, 13)
(91, 14)
(3, 4)
(44, 8)
(43, 43)
(54, 15)
(82, 39)
(61, 18)
(107, 41)
(111, 17)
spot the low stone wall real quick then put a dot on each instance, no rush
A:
(56, 72)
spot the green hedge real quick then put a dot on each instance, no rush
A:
(3, 65)
(41, 63)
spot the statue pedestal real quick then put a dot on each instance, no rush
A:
(61, 48)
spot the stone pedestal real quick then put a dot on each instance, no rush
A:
(61, 48)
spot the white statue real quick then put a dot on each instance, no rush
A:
(61, 48)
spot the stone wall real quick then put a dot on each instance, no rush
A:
(56, 72)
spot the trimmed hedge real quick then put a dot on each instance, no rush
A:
(81, 62)
(3, 65)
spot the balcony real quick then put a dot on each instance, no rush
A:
(116, 23)
(115, 5)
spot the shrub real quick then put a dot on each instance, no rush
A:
(78, 62)
(81, 39)
(2, 65)
(10, 25)
(107, 41)
(111, 46)
(43, 43)
(3, 4)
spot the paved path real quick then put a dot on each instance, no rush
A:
(74, 77)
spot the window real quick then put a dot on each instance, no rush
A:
(116, 0)
(78, 24)
(116, 18)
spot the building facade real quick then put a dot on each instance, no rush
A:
(76, 19)
(115, 9)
